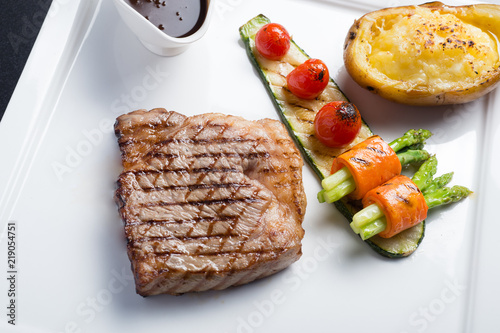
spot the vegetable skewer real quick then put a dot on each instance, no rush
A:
(343, 182)
(372, 219)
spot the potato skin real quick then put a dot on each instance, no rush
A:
(357, 50)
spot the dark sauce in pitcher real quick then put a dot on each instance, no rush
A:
(176, 18)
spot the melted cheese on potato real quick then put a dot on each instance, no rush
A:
(431, 49)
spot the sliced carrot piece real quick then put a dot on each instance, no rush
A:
(371, 163)
(401, 201)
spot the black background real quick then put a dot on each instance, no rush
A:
(20, 22)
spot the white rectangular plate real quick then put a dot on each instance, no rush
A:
(61, 161)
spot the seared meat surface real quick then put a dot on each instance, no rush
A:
(208, 201)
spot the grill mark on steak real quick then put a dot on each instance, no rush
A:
(132, 141)
(195, 220)
(228, 253)
(199, 203)
(182, 238)
(214, 227)
(198, 170)
(193, 187)
(220, 253)
(187, 245)
(213, 155)
(218, 141)
(157, 178)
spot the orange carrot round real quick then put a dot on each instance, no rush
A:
(371, 163)
(402, 203)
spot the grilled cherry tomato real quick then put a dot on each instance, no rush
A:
(308, 79)
(272, 41)
(337, 124)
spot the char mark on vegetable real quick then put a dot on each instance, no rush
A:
(360, 160)
(378, 151)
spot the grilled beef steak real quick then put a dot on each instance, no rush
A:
(209, 201)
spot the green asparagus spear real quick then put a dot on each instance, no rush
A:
(446, 195)
(438, 182)
(410, 138)
(411, 156)
(423, 177)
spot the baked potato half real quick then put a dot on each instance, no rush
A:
(430, 54)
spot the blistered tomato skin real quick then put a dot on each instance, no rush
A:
(337, 124)
(272, 41)
(309, 79)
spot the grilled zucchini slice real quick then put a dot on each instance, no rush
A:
(298, 116)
